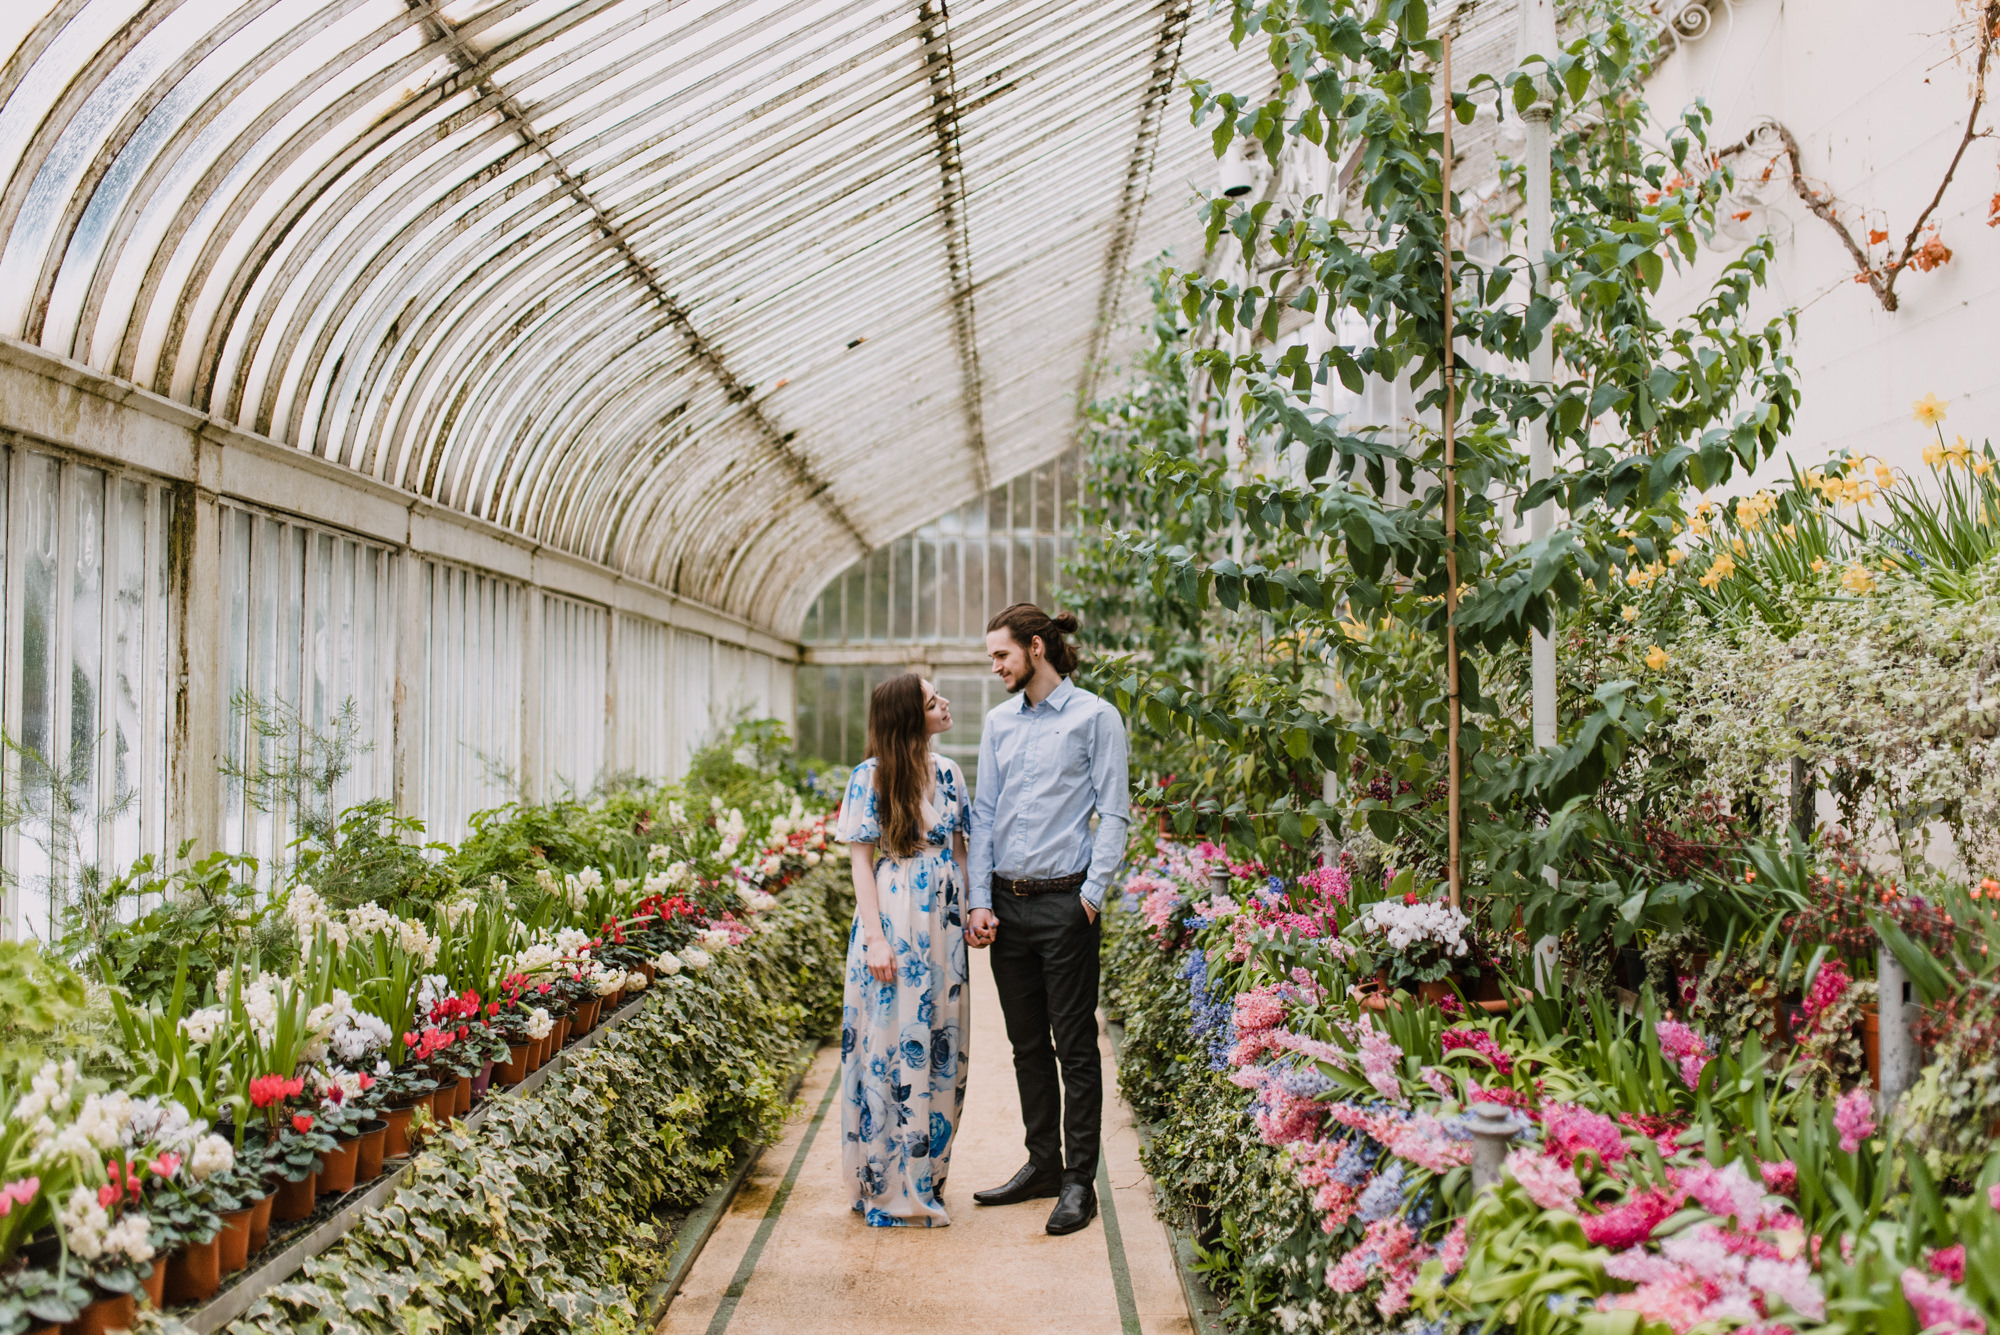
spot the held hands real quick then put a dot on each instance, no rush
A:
(881, 961)
(980, 928)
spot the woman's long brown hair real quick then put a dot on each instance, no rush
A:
(899, 744)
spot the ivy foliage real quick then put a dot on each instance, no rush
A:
(546, 1216)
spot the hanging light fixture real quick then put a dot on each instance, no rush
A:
(1239, 173)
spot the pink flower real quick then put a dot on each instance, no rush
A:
(1948, 1263)
(18, 1192)
(1631, 1223)
(1939, 1312)
(1724, 1192)
(1791, 1282)
(1385, 1243)
(1781, 1176)
(1468, 1039)
(1681, 1044)
(166, 1165)
(1454, 1249)
(1993, 1195)
(1438, 1082)
(1854, 1118)
(1381, 1062)
(1572, 1130)
(1548, 1182)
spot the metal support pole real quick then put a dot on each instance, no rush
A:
(1538, 38)
(1492, 1128)
(1897, 1056)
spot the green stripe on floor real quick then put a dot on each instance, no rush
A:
(1114, 1243)
(744, 1268)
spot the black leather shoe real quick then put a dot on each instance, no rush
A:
(1030, 1184)
(1075, 1207)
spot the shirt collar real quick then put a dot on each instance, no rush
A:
(1055, 699)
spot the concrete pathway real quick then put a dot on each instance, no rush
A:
(791, 1258)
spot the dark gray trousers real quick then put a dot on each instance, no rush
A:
(1045, 965)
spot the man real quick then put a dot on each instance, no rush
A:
(1049, 759)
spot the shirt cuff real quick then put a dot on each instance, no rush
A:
(1093, 894)
(978, 896)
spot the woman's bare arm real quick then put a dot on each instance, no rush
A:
(880, 959)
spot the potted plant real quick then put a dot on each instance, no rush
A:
(1413, 943)
(397, 1095)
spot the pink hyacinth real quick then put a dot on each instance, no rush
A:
(1726, 1191)
(1948, 1263)
(1381, 1062)
(1830, 984)
(1939, 1311)
(1468, 1039)
(1993, 1195)
(1385, 1243)
(1572, 1130)
(1678, 1043)
(1437, 1081)
(1781, 1176)
(1854, 1118)
(1549, 1183)
(1633, 1222)
(1456, 1244)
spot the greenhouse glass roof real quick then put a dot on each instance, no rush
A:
(719, 293)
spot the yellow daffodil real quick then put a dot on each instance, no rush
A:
(1819, 565)
(1857, 579)
(1656, 658)
(1698, 526)
(1959, 453)
(1791, 530)
(1675, 556)
(1982, 466)
(1720, 569)
(1884, 477)
(1629, 612)
(1736, 545)
(1631, 549)
(1933, 455)
(1930, 409)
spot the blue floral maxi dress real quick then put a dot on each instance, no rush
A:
(902, 1044)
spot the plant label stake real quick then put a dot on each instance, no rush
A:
(1450, 516)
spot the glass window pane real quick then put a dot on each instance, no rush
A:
(40, 515)
(86, 663)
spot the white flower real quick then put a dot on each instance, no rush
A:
(417, 941)
(695, 958)
(659, 853)
(358, 1034)
(88, 1229)
(762, 903)
(104, 1118)
(545, 880)
(165, 1125)
(605, 980)
(812, 858)
(715, 938)
(539, 1024)
(635, 981)
(676, 814)
(212, 1155)
(202, 1026)
(668, 963)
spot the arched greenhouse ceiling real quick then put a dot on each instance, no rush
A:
(718, 293)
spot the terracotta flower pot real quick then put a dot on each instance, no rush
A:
(1434, 993)
(651, 970)
(235, 1237)
(482, 1082)
(260, 1222)
(114, 1311)
(336, 1174)
(194, 1271)
(441, 1104)
(562, 1034)
(50, 1329)
(396, 1135)
(612, 1002)
(516, 1069)
(461, 1096)
(154, 1285)
(294, 1200)
(368, 1148)
(1871, 1044)
(586, 1016)
(539, 1053)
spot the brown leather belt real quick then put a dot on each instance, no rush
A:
(1047, 885)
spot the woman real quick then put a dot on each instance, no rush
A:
(903, 1025)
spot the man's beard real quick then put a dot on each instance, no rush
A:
(1015, 685)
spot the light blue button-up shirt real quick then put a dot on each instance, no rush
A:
(1043, 770)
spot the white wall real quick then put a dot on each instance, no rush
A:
(1878, 103)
